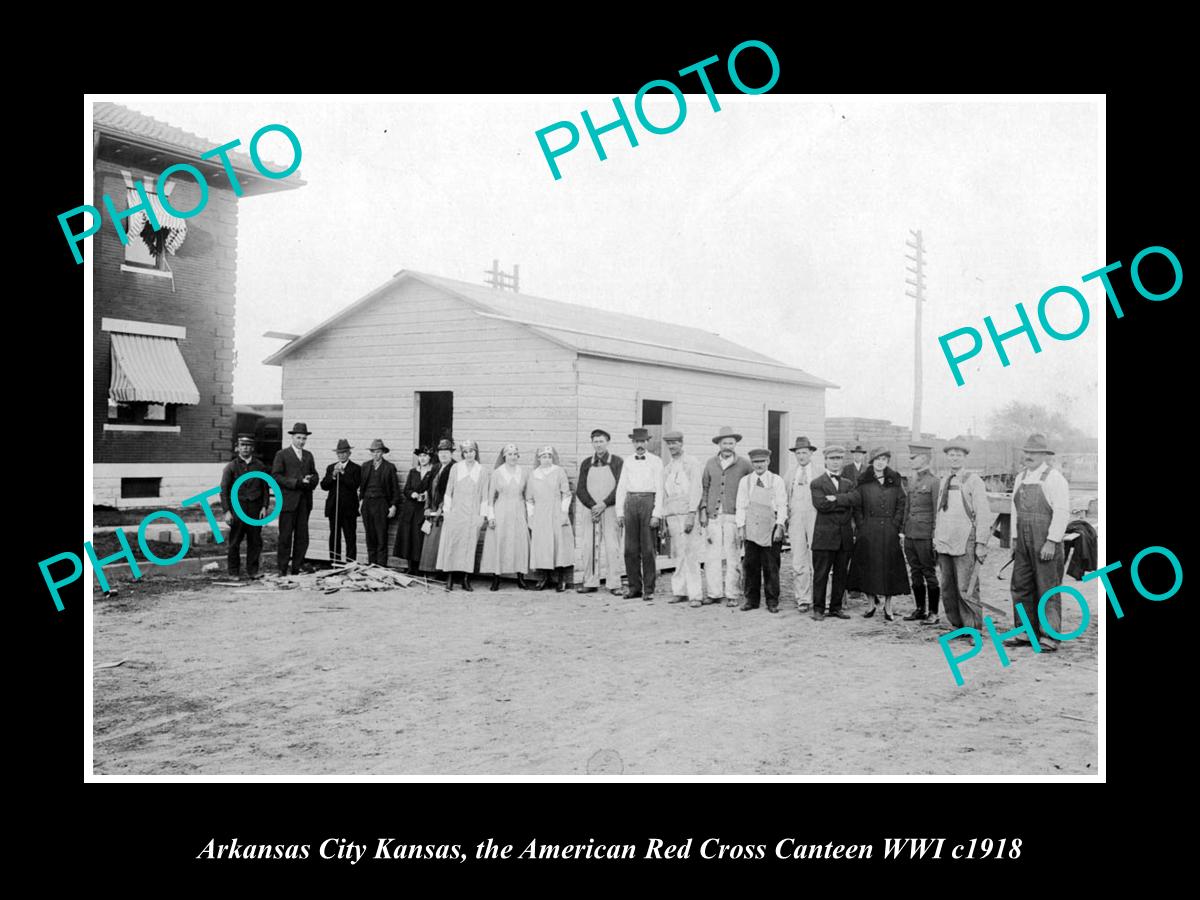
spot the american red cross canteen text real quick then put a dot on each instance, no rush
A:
(622, 120)
(145, 206)
(962, 354)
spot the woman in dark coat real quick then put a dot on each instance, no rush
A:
(409, 536)
(877, 567)
(433, 505)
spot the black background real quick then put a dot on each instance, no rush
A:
(138, 828)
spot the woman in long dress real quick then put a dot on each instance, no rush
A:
(877, 567)
(409, 536)
(548, 499)
(466, 499)
(438, 479)
(506, 542)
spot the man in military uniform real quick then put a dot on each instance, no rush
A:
(254, 498)
(341, 503)
(917, 532)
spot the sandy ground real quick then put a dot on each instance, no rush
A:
(416, 682)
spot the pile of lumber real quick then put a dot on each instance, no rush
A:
(348, 576)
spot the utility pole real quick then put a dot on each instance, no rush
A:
(501, 280)
(917, 269)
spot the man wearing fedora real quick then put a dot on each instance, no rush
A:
(681, 499)
(802, 518)
(380, 493)
(295, 470)
(341, 503)
(639, 507)
(762, 509)
(853, 471)
(1041, 506)
(917, 530)
(596, 491)
(961, 529)
(254, 496)
(833, 497)
(718, 516)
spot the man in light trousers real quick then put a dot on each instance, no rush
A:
(718, 516)
(682, 477)
(802, 518)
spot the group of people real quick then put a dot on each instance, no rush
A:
(855, 527)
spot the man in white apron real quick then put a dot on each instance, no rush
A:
(802, 517)
(596, 491)
(681, 501)
(961, 529)
(761, 514)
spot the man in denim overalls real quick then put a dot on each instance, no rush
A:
(1041, 506)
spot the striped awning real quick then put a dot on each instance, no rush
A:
(176, 227)
(150, 370)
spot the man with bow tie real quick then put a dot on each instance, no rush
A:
(802, 517)
(596, 492)
(834, 496)
(639, 508)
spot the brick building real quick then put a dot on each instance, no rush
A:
(163, 313)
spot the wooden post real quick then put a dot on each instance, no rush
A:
(918, 295)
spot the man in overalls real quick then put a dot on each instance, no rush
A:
(681, 500)
(802, 518)
(1041, 506)
(960, 534)
(761, 514)
(596, 491)
(919, 514)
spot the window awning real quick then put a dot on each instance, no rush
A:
(150, 370)
(175, 226)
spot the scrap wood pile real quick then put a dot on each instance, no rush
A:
(348, 576)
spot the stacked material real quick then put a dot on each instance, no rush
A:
(349, 576)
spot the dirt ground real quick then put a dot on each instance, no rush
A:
(512, 682)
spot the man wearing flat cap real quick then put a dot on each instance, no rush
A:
(802, 518)
(254, 496)
(380, 494)
(718, 516)
(960, 535)
(761, 516)
(295, 470)
(341, 503)
(639, 507)
(917, 531)
(1041, 506)
(681, 503)
(596, 492)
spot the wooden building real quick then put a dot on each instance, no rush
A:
(422, 357)
(163, 313)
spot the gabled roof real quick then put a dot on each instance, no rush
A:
(591, 332)
(124, 126)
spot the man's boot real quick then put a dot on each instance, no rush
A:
(934, 597)
(918, 595)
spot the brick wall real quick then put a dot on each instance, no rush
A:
(202, 302)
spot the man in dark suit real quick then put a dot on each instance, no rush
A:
(296, 471)
(854, 468)
(380, 492)
(833, 534)
(342, 479)
(253, 498)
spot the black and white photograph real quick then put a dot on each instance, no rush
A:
(528, 436)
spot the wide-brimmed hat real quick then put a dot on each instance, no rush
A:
(639, 434)
(445, 444)
(378, 444)
(956, 445)
(802, 443)
(760, 453)
(598, 431)
(859, 448)
(1037, 444)
(673, 436)
(877, 452)
(299, 428)
(725, 432)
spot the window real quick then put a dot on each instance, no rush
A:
(140, 488)
(135, 413)
(147, 248)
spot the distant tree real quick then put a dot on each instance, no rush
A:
(1016, 420)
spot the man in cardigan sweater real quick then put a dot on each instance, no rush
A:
(718, 515)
